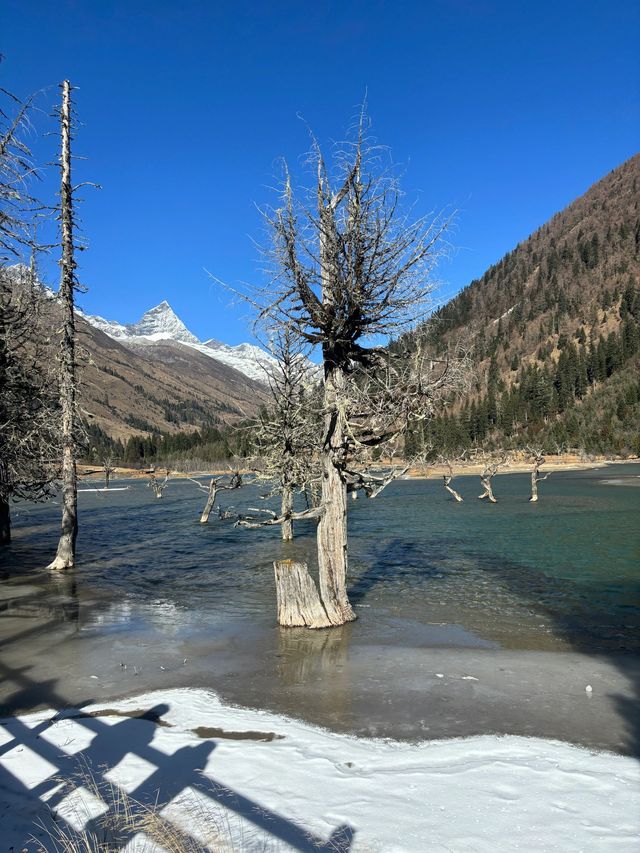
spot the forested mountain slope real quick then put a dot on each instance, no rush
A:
(553, 331)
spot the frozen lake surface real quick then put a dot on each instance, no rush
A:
(472, 618)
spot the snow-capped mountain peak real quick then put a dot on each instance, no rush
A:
(161, 323)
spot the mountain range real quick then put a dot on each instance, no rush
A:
(161, 324)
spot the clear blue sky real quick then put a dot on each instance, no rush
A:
(505, 109)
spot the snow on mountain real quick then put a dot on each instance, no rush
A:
(244, 357)
(156, 324)
(161, 324)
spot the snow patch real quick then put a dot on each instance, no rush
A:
(314, 789)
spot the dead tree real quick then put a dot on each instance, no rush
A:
(29, 438)
(447, 478)
(537, 461)
(217, 484)
(66, 553)
(489, 471)
(286, 428)
(348, 265)
(157, 485)
(108, 468)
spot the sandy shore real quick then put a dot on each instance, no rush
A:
(565, 462)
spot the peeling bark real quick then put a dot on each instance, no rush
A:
(299, 604)
(332, 527)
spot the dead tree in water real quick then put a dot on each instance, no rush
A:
(216, 485)
(29, 440)
(488, 473)
(109, 469)
(66, 553)
(537, 461)
(448, 478)
(348, 265)
(286, 430)
(29, 437)
(157, 486)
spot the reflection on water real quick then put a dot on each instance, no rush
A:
(549, 575)
(559, 573)
(159, 601)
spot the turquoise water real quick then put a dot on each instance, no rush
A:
(563, 573)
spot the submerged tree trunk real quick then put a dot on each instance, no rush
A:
(450, 489)
(299, 604)
(65, 556)
(211, 499)
(488, 491)
(286, 509)
(5, 522)
(332, 527)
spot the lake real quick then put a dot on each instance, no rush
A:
(463, 608)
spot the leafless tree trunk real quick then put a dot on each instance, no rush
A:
(217, 485)
(286, 508)
(109, 468)
(299, 604)
(157, 486)
(488, 473)
(537, 461)
(5, 521)
(211, 499)
(65, 556)
(447, 478)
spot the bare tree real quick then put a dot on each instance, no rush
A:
(29, 439)
(108, 468)
(448, 479)
(217, 484)
(491, 468)
(158, 486)
(537, 460)
(286, 431)
(66, 553)
(350, 266)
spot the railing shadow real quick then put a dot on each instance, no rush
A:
(170, 776)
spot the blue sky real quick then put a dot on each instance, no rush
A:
(505, 110)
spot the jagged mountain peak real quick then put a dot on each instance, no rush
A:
(160, 322)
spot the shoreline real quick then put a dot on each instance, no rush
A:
(431, 471)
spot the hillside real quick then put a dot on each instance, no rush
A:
(127, 390)
(553, 333)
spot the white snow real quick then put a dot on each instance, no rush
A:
(313, 789)
(162, 324)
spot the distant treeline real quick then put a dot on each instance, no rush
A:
(206, 445)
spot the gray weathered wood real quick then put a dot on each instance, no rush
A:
(299, 604)
(65, 556)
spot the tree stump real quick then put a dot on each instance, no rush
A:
(299, 603)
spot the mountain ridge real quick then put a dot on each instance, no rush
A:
(161, 323)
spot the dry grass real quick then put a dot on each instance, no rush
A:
(99, 817)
